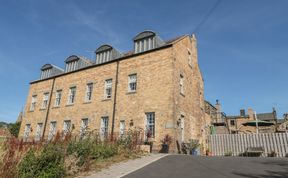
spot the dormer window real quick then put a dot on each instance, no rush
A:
(145, 41)
(49, 70)
(71, 66)
(75, 62)
(106, 53)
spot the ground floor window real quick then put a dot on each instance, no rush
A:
(84, 127)
(39, 131)
(66, 127)
(122, 128)
(27, 131)
(52, 130)
(104, 127)
(150, 125)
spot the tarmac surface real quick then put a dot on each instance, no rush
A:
(182, 166)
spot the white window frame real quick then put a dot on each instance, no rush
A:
(108, 89)
(89, 91)
(122, 128)
(72, 95)
(104, 127)
(52, 130)
(45, 100)
(181, 83)
(150, 124)
(84, 127)
(27, 131)
(33, 103)
(58, 98)
(132, 82)
(66, 127)
(38, 133)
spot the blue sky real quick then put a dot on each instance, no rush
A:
(243, 46)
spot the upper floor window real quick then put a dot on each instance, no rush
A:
(33, 102)
(181, 83)
(70, 66)
(72, 94)
(189, 58)
(45, 101)
(108, 89)
(89, 90)
(58, 98)
(132, 82)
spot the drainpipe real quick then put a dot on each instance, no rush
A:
(114, 101)
(48, 109)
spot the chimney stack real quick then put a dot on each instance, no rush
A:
(242, 112)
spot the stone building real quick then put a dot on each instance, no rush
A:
(216, 118)
(246, 123)
(157, 87)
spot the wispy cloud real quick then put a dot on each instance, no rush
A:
(96, 22)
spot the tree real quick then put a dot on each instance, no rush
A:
(14, 128)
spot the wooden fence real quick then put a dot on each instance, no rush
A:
(221, 144)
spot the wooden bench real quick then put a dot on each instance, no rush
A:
(254, 151)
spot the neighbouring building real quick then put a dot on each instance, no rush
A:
(216, 118)
(246, 123)
(157, 87)
(282, 124)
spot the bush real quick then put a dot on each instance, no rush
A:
(14, 128)
(48, 163)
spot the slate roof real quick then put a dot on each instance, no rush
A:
(124, 56)
(266, 116)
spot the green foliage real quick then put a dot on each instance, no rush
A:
(49, 163)
(87, 149)
(14, 128)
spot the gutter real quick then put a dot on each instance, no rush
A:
(48, 109)
(114, 101)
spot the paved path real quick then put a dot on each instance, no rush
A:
(182, 166)
(123, 168)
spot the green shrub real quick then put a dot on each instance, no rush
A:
(47, 163)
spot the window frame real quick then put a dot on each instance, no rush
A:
(52, 130)
(132, 82)
(58, 97)
(150, 116)
(181, 84)
(108, 88)
(45, 100)
(89, 92)
(72, 95)
(33, 103)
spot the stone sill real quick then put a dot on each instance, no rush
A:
(131, 92)
(67, 105)
(106, 99)
(87, 102)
